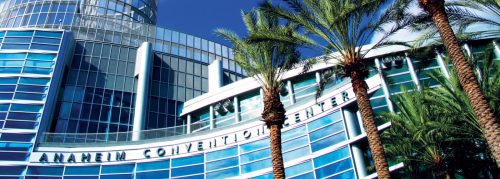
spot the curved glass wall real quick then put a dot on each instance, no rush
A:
(101, 78)
(305, 145)
(53, 13)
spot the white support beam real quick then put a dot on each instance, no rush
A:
(387, 93)
(413, 73)
(442, 64)
(143, 68)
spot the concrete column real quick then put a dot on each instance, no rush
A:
(351, 122)
(215, 79)
(261, 91)
(212, 117)
(236, 105)
(387, 93)
(188, 124)
(442, 65)
(318, 77)
(359, 161)
(290, 91)
(497, 48)
(469, 53)
(143, 68)
(413, 74)
(360, 121)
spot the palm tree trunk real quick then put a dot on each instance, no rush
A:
(361, 91)
(276, 154)
(467, 78)
(274, 117)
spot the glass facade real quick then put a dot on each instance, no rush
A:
(69, 83)
(101, 78)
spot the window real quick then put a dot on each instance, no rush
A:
(187, 160)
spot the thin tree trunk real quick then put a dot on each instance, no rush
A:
(276, 154)
(360, 90)
(466, 76)
(274, 116)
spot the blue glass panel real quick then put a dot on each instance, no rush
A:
(20, 125)
(48, 34)
(187, 160)
(333, 128)
(265, 176)
(324, 120)
(255, 155)
(117, 168)
(2, 34)
(15, 46)
(35, 81)
(17, 39)
(4, 107)
(13, 63)
(42, 177)
(7, 88)
(259, 144)
(40, 56)
(12, 80)
(81, 177)
(192, 177)
(153, 165)
(44, 47)
(19, 33)
(41, 71)
(36, 63)
(31, 88)
(187, 170)
(26, 107)
(153, 174)
(23, 116)
(2, 116)
(83, 170)
(304, 176)
(13, 156)
(348, 174)
(334, 168)
(232, 172)
(222, 164)
(329, 141)
(12, 170)
(11, 146)
(294, 154)
(29, 96)
(10, 70)
(295, 143)
(298, 169)
(17, 137)
(331, 157)
(40, 170)
(46, 40)
(121, 176)
(6, 96)
(222, 154)
(12, 56)
(294, 133)
(256, 166)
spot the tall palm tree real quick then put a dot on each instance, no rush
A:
(468, 80)
(267, 61)
(344, 26)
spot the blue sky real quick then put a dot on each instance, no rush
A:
(201, 17)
